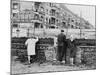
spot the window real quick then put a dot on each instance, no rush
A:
(46, 20)
(15, 5)
(15, 25)
(68, 19)
(47, 11)
(63, 23)
(36, 25)
(26, 16)
(36, 16)
(15, 15)
(52, 11)
(76, 23)
(50, 4)
(52, 27)
(42, 9)
(37, 4)
(41, 18)
(52, 20)
(68, 24)
(22, 16)
(72, 20)
(72, 26)
(41, 26)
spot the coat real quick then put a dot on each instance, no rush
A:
(71, 46)
(61, 40)
(31, 46)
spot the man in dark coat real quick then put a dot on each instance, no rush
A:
(61, 46)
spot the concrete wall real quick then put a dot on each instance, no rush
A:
(85, 33)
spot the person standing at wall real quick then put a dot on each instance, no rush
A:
(74, 51)
(72, 48)
(30, 43)
(55, 49)
(67, 51)
(61, 46)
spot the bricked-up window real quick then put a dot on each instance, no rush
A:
(15, 5)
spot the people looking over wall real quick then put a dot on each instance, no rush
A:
(66, 49)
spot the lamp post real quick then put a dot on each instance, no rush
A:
(18, 32)
(28, 32)
(33, 7)
(44, 27)
(80, 25)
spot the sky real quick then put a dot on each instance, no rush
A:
(87, 12)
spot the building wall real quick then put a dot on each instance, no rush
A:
(45, 15)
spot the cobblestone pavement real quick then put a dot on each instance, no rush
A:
(19, 68)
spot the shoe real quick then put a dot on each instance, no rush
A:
(29, 66)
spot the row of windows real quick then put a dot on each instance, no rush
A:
(39, 25)
(15, 5)
(28, 16)
(36, 24)
(51, 21)
(53, 12)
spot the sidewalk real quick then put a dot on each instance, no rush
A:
(18, 68)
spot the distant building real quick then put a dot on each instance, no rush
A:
(44, 15)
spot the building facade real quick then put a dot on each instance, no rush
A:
(40, 15)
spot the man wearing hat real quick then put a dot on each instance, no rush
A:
(61, 46)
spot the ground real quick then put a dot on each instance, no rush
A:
(18, 68)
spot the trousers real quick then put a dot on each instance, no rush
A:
(61, 53)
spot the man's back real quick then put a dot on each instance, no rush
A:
(61, 39)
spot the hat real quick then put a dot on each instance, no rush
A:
(62, 30)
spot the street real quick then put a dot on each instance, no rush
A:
(19, 68)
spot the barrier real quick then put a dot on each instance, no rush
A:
(85, 33)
